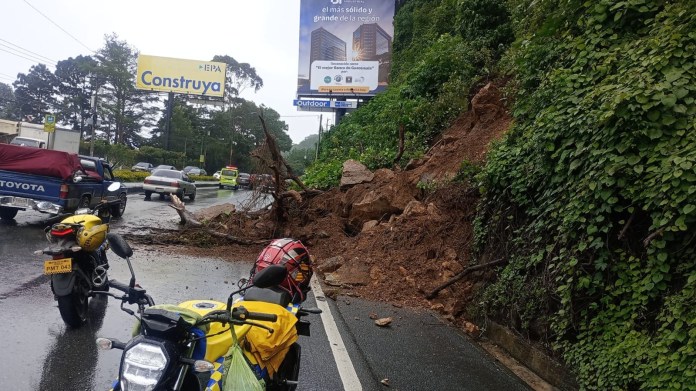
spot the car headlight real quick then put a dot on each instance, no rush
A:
(143, 366)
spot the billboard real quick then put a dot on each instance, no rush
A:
(345, 47)
(181, 76)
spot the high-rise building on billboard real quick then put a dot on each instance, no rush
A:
(372, 43)
(326, 46)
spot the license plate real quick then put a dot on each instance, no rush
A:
(57, 266)
(159, 189)
(21, 202)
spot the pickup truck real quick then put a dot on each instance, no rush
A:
(54, 182)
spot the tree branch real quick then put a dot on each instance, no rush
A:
(461, 275)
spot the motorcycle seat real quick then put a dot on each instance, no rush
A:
(272, 295)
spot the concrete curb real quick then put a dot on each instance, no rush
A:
(546, 367)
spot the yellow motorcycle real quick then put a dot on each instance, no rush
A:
(246, 344)
(78, 264)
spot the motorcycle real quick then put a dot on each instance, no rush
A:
(244, 344)
(78, 264)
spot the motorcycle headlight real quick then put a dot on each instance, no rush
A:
(143, 366)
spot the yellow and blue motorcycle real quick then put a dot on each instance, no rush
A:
(244, 344)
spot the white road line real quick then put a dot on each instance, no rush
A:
(345, 366)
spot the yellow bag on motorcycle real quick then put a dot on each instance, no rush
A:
(269, 349)
(238, 375)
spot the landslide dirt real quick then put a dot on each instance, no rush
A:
(419, 239)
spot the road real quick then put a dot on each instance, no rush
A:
(345, 351)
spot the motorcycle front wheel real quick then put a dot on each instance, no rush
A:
(73, 307)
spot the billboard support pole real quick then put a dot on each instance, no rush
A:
(316, 157)
(168, 120)
(340, 112)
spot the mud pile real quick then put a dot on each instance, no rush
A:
(391, 235)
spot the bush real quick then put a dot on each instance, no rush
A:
(590, 196)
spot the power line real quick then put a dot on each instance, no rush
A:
(21, 54)
(26, 50)
(56, 24)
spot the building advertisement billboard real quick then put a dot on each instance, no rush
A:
(180, 76)
(345, 47)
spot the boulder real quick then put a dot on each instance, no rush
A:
(330, 265)
(415, 208)
(369, 225)
(353, 273)
(354, 173)
(373, 206)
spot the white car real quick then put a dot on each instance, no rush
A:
(169, 182)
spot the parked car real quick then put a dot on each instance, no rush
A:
(216, 175)
(164, 167)
(191, 170)
(168, 182)
(244, 180)
(142, 166)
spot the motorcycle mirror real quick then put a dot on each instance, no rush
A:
(114, 186)
(270, 276)
(119, 245)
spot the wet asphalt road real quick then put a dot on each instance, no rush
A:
(39, 353)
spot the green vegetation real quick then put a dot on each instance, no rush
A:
(593, 190)
(441, 49)
(591, 195)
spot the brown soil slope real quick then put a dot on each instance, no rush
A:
(395, 237)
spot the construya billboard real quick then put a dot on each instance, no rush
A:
(180, 76)
(345, 47)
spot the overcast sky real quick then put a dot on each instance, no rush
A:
(263, 33)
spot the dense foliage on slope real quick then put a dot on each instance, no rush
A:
(593, 192)
(441, 49)
(591, 197)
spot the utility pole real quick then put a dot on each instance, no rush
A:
(168, 120)
(94, 121)
(229, 163)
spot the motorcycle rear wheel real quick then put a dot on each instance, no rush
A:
(289, 370)
(73, 307)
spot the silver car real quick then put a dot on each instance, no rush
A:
(169, 182)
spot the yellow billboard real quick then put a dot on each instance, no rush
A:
(180, 76)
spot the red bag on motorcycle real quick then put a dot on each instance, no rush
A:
(294, 256)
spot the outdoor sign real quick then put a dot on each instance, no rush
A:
(309, 104)
(344, 78)
(180, 76)
(50, 123)
(345, 47)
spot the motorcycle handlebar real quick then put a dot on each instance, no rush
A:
(238, 314)
(262, 316)
(119, 286)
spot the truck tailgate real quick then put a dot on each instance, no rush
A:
(34, 187)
